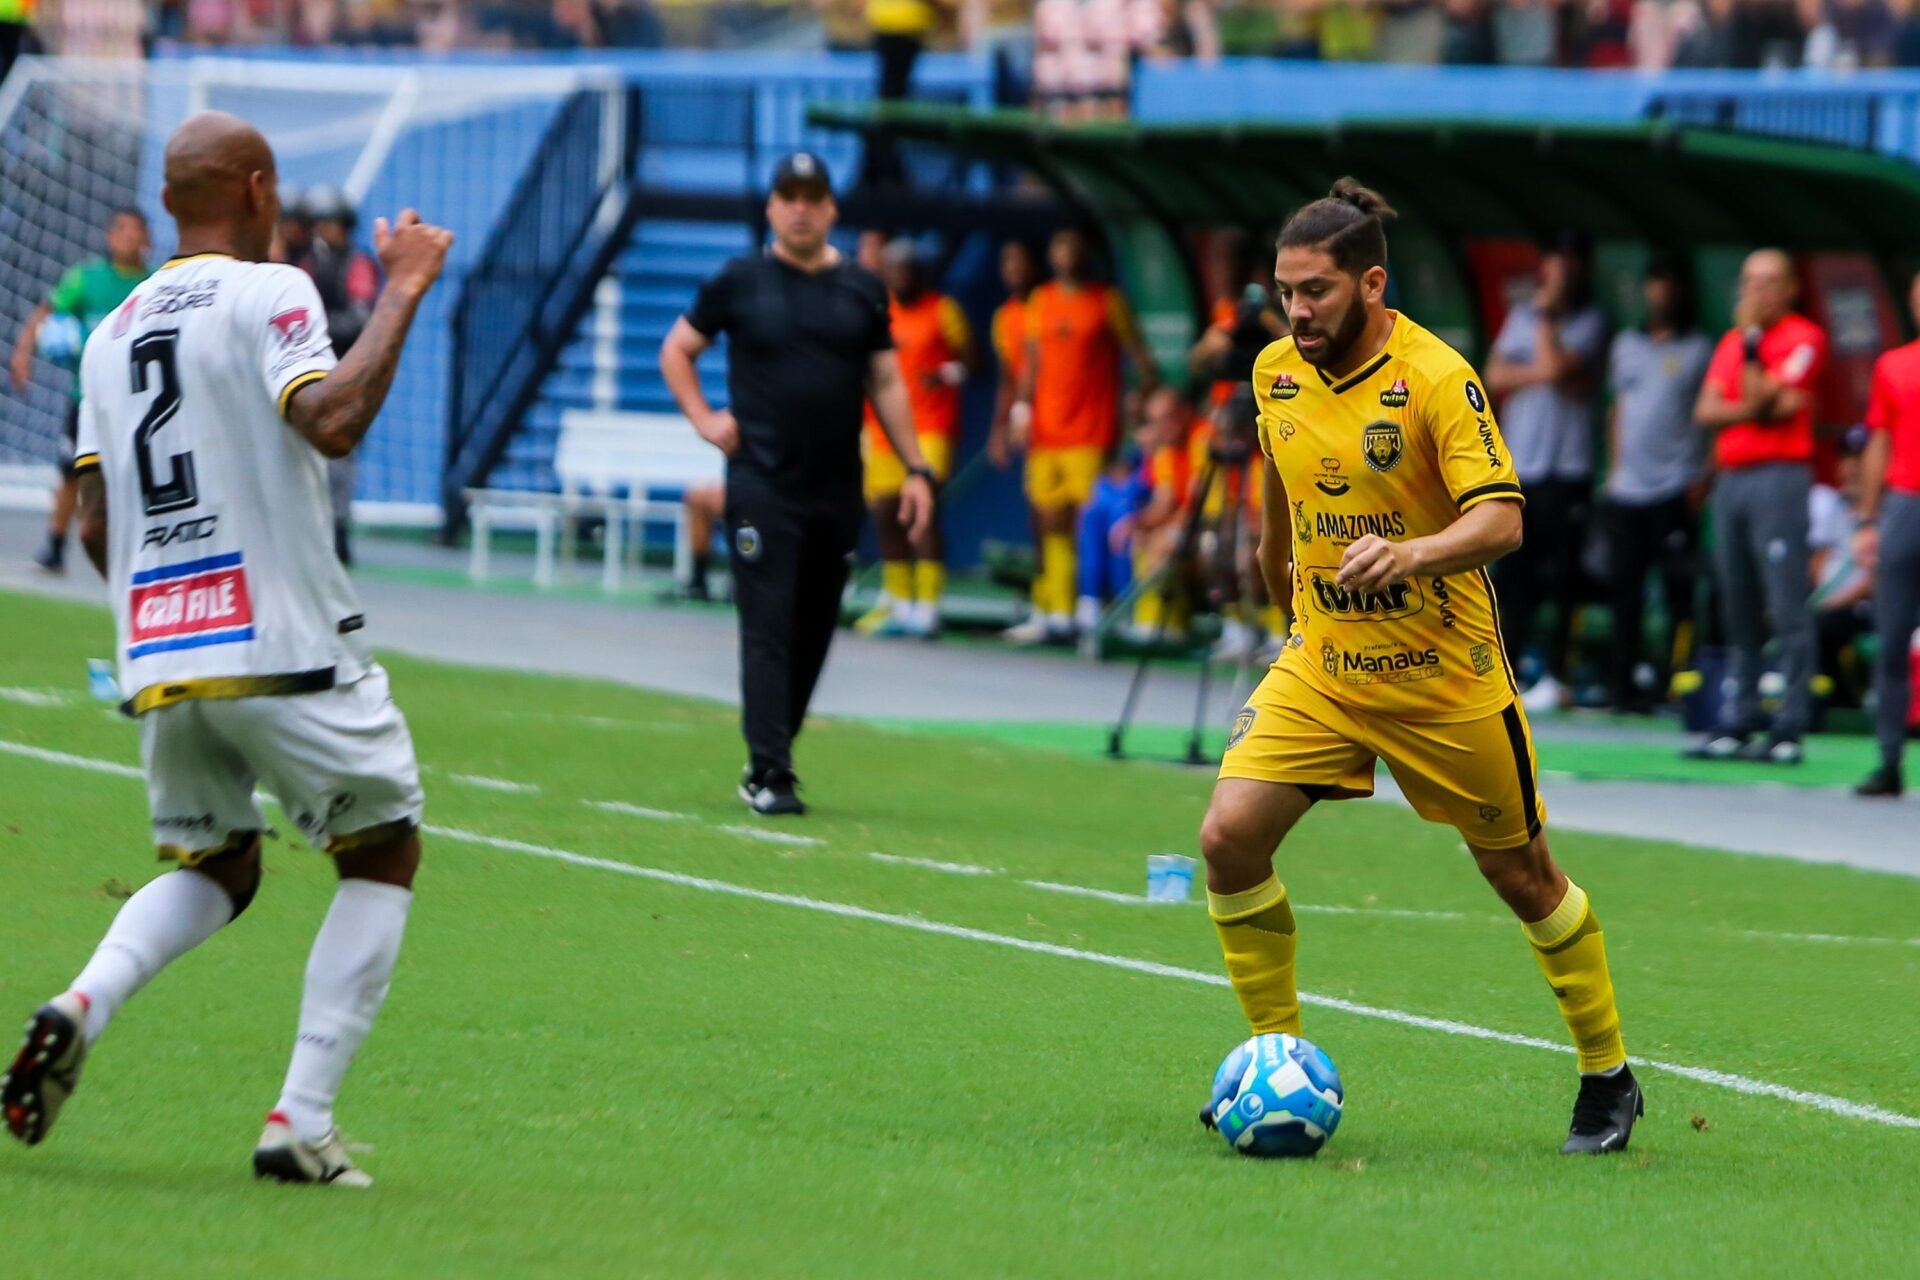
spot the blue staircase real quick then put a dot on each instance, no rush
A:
(611, 362)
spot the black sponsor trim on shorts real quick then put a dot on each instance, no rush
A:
(1487, 490)
(1523, 763)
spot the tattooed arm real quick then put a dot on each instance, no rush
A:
(334, 412)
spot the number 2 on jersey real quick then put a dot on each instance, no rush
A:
(156, 351)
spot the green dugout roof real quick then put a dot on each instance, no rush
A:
(1458, 179)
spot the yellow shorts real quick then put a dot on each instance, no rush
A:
(1479, 776)
(1063, 477)
(886, 473)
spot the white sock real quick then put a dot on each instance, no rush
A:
(169, 917)
(347, 976)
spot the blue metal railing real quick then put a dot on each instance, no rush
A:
(567, 218)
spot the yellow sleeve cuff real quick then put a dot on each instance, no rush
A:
(306, 379)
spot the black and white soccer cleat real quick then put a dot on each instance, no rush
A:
(47, 1069)
(1604, 1113)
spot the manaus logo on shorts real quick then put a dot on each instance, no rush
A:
(1242, 723)
(746, 540)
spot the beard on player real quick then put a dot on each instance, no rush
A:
(1327, 341)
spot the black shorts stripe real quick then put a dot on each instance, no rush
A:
(1523, 763)
(1498, 486)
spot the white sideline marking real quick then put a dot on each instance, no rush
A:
(495, 784)
(1703, 1075)
(1830, 937)
(31, 697)
(934, 864)
(1084, 891)
(771, 837)
(77, 762)
(639, 811)
(961, 868)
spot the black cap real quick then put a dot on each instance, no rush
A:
(802, 168)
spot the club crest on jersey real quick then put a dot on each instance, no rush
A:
(1474, 398)
(1381, 444)
(1395, 396)
(1285, 388)
(189, 606)
(292, 325)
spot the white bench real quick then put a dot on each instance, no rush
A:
(611, 464)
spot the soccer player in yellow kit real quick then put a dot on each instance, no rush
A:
(1389, 491)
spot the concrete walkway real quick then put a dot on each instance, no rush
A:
(693, 651)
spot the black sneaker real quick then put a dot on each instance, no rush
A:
(1719, 746)
(771, 793)
(1604, 1113)
(1884, 783)
(1774, 750)
(52, 557)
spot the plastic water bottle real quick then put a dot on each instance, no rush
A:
(100, 681)
(1169, 877)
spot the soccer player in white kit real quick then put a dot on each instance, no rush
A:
(211, 403)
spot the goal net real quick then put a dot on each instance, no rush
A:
(82, 137)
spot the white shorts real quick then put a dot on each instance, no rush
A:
(340, 762)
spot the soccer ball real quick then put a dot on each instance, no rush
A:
(59, 339)
(1276, 1095)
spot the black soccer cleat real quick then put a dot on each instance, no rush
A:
(1882, 784)
(772, 793)
(1604, 1113)
(1719, 746)
(46, 1071)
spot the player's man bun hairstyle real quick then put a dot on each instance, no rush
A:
(1349, 223)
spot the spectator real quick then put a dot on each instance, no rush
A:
(1842, 597)
(1547, 362)
(901, 29)
(935, 347)
(348, 281)
(1704, 36)
(706, 506)
(1174, 439)
(1889, 510)
(1019, 272)
(1468, 39)
(1758, 401)
(296, 228)
(86, 295)
(1657, 480)
(1066, 417)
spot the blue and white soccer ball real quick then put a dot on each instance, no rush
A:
(59, 339)
(1276, 1095)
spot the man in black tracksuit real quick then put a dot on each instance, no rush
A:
(808, 342)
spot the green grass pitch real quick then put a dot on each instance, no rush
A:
(584, 1073)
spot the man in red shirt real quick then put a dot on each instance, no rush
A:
(1758, 400)
(1889, 539)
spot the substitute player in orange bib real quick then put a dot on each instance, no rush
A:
(1389, 492)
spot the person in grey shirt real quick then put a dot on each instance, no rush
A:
(1657, 478)
(1547, 363)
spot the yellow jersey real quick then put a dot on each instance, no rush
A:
(1399, 449)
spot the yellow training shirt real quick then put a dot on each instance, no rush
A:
(1399, 449)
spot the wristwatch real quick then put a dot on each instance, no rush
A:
(925, 473)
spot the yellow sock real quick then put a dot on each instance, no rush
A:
(1572, 952)
(1059, 561)
(929, 581)
(1148, 608)
(896, 579)
(1256, 936)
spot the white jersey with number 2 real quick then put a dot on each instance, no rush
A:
(220, 557)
